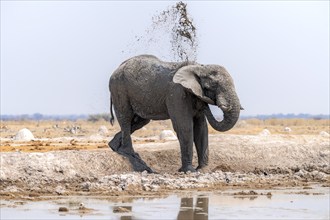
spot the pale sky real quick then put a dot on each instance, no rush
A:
(57, 56)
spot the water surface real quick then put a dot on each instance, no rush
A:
(282, 204)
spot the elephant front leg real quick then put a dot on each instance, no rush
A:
(184, 130)
(201, 140)
(179, 105)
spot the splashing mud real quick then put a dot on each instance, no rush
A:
(172, 31)
(183, 31)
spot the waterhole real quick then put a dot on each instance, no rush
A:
(274, 204)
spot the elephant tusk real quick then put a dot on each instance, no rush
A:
(225, 108)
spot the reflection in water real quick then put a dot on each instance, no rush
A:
(284, 205)
(123, 209)
(126, 217)
(187, 210)
(251, 198)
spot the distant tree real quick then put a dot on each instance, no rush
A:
(98, 117)
(23, 117)
(37, 116)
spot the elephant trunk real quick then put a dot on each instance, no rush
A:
(229, 118)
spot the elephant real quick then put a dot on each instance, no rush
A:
(145, 88)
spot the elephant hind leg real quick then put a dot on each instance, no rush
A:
(136, 124)
(116, 144)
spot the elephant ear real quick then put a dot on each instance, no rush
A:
(187, 76)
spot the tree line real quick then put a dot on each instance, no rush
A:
(106, 117)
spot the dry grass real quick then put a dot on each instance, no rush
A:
(53, 129)
(81, 140)
(277, 126)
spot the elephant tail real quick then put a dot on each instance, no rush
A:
(112, 118)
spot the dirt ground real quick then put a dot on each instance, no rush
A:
(66, 161)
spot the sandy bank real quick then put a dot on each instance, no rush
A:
(236, 161)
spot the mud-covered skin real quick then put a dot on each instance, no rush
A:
(145, 88)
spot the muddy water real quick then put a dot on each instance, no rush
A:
(274, 204)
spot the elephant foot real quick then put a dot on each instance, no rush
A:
(201, 167)
(185, 169)
(137, 163)
(114, 145)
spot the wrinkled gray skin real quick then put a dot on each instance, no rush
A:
(144, 88)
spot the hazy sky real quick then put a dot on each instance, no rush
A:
(57, 56)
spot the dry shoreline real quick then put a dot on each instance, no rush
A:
(236, 162)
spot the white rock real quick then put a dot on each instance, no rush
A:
(317, 175)
(287, 129)
(24, 135)
(265, 132)
(300, 173)
(103, 130)
(59, 190)
(3, 176)
(324, 134)
(167, 135)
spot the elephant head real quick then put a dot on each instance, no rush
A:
(213, 85)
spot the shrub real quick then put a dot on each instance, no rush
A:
(98, 117)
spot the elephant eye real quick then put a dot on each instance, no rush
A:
(210, 85)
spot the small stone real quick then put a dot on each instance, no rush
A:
(269, 195)
(317, 175)
(86, 186)
(324, 134)
(300, 173)
(82, 206)
(265, 132)
(287, 129)
(146, 187)
(154, 188)
(120, 209)
(59, 190)
(63, 209)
